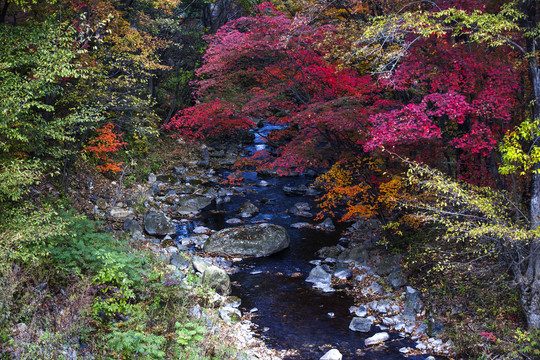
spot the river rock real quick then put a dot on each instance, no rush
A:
(361, 324)
(360, 311)
(156, 223)
(357, 254)
(178, 260)
(319, 276)
(301, 225)
(377, 338)
(413, 303)
(333, 354)
(152, 178)
(192, 203)
(396, 280)
(230, 314)
(329, 252)
(248, 209)
(327, 224)
(131, 226)
(295, 190)
(120, 213)
(388, 265)
(217, 279)
(234, 221)
(261, 239)
(342, 271)
(200, 264)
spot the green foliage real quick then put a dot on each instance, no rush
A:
(132, 344)
(15, 178)
(188, 333)
(35, 60)
(514, 154)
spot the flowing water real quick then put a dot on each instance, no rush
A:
(289, 313)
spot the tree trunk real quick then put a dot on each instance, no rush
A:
(4, 12)
(530, 282)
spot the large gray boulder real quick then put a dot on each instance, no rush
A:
(192, 203)
(156, 223)
(217, 279)
(261, 239)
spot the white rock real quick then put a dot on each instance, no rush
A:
(377, 338)
(201, 230)
(333, 354)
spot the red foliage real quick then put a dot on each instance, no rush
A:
(211, 119)
(107, 142)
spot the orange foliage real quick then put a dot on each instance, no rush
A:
(360, 187)
(107, 142)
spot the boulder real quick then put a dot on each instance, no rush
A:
(261, 239)
(357, 254)
(156, 223)
(361, 324)
(192, 203)
(178, 261)
(333, 354)
(342, 271)
(217, 279)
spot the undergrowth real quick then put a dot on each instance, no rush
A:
(69, 287)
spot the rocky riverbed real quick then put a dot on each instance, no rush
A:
(170, 216)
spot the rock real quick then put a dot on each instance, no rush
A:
(301, 225)
(156, 223)
(435, 327)
(396, 280)
(192, 203)
(234, 221)
(230, 314)
(318, 275)
(329, 252)
(388, 265)
(263, 183)
(413, 303)
(152, 178)
(101, 203)
(178, 260)
(342, 271)
(200, 264)
(201, 230)
(179, 170)
(357, 254)
(299, 208)
(359, 311)
(131, 226)
(327, 224)
(248, 209)
(217, 279)
(377, 338)
(295, 190)
(205, 159)
(119, 213)
(360, 324)
(261, 239)
(333, 354)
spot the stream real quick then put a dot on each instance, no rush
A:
(288, 312)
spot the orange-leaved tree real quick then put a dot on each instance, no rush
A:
(105, 143)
